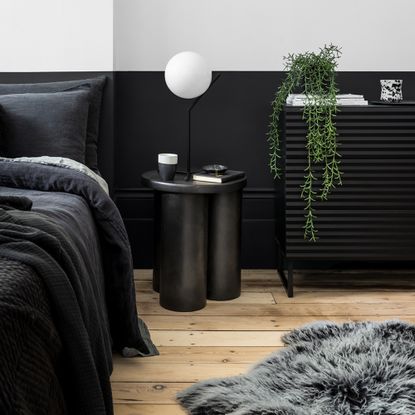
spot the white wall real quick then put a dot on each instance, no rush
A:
(256, 34)
(56, 35)
(78, 35)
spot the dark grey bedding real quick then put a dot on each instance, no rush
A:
(30, 346)
(44, 124)
(95, 85)
(75, 240)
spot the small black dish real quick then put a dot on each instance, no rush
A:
(215, 168)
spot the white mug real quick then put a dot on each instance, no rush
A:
(167, 165)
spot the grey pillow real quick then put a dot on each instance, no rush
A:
(44, 124)
(96, 86)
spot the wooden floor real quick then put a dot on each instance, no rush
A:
(225, 338)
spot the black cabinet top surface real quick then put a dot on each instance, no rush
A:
(398, 107)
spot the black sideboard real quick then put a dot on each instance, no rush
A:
(371, 217)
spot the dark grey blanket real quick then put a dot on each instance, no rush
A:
(30, 346)
(85, 304)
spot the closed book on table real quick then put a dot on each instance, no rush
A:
(218, 178)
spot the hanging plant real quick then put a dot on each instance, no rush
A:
(312, 74)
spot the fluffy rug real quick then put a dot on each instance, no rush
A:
(353, 368)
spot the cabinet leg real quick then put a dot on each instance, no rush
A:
(287, 280)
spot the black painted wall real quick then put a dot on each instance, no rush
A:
(229, 126)
(141, 118)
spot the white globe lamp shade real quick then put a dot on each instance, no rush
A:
(188, 75)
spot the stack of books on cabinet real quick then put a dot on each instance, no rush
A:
(299, 100)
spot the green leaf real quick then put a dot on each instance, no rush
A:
(314, 75)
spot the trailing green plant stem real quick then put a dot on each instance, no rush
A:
(314, 75)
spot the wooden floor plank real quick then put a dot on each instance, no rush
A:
(260, 279)
(246, 285)
(143, 274)
(217, 338)
(163, 322)
(247, 274)
(318, 311)
(134, 409)
(260, 286)
(242, 323)
(267, 274)
(143, 285)
(147, 296)
(344, 296)
(362, 279)
(202, 354)
(147, 392)
(139, 370)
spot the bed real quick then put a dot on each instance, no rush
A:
(67, 297)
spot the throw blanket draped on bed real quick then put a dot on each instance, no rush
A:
(32, 238)
(30, 346)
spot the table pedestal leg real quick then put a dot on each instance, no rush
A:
(183, 251)
(224, 269)
(157, 241)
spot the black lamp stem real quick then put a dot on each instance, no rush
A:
(189, 131)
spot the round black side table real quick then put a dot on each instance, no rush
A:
(197, 240)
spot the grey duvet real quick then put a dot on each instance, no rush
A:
(66, 292)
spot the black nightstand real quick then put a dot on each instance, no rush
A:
(197, 241)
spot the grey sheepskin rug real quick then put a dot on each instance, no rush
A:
(352, 368)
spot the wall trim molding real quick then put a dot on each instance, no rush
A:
(266, 191)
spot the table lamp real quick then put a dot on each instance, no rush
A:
(188, 76)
